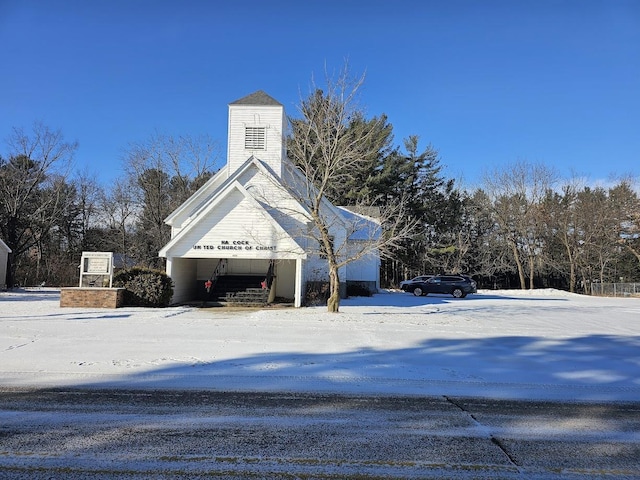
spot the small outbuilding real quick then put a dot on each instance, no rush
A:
(4, 264)
(248, 222)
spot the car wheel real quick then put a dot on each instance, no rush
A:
(457, 293)
(417, 292)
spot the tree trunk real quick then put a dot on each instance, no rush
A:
(531, 271)
(586, 285)
(12, 243)
(572, 266)
(10, 277)
(333, 302)
(572, 277)
(516, 256)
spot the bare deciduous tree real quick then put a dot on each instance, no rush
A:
(30, 190)
(163, 172)
(117, 208)
(516, 192)
(330, 144)
(184, 159)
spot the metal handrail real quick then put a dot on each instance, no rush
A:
(268, 280)
(211, 282)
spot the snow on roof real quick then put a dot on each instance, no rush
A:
(362, 227)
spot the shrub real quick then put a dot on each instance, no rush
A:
(145, 287)
(317, 293)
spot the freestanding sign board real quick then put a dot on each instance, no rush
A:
(96, 269)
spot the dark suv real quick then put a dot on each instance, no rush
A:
(457, 285)
(405, 285)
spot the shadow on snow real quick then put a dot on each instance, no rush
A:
(596, 367)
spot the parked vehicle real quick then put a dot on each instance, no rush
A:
(457, 285)
(406, 284)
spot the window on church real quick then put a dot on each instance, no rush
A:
(255, 138)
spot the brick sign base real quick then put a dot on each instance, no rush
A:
(92, 297)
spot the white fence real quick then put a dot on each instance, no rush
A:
(615, 289)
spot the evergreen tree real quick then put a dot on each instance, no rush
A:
(431, 201)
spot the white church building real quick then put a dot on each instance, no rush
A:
(249, 220)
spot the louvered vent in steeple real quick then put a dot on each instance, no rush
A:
(255, 138)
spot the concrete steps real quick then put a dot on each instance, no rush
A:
(238, 290)
(248, 297)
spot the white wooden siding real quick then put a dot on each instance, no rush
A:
(276, 200)
(236, 228)
(364, 269)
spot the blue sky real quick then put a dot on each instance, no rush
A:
(487, 83)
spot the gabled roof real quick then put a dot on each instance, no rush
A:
(200, 200)
(296, 181)
(225, 192)
(200, 203)
(259, 98)
(362, 227)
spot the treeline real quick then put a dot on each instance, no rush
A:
(50, 214)
(523, 228)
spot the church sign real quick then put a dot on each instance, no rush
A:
(96, 269)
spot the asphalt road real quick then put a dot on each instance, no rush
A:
(116, 434)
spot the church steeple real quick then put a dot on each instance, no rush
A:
(256, 127)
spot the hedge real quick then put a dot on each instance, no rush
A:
(145, 287)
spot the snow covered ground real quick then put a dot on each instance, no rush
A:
(540, 344)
